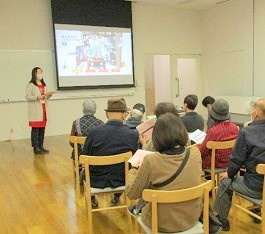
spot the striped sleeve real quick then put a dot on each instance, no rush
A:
(139, 180)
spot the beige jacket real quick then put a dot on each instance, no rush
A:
(32, 93)
(157, 168)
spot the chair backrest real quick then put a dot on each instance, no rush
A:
(261, 170)
(105, 160)
(175, 196)
(219, 145)
(77, 140)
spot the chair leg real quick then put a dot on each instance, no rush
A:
(263, 223)
(77, 184)
(127, 202)
(213, 189)
(89, 214)
(86, 201)
(90, 224)
(234, 213)
(137, 227)
(77, 187)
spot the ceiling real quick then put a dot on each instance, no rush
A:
(184, 4)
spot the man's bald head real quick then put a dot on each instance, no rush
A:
(258, 112)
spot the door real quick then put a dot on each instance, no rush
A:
(169, 78)
(184, 78)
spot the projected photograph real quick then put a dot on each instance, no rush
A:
(86, 52)
(93, 56)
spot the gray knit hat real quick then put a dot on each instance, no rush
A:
(220, 110)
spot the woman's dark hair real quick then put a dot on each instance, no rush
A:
(208, 100)
(34, 76)
(165, 107)
(169, 132)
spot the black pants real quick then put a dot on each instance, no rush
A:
(37, 137)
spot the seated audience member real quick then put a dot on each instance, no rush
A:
(207, 102)
(81, 125)
(136, 116)
(249, 151)
(222, 130)
(249, 106)
(111, 138)
(140, 107)
(161, 108)
(169, 138)
(192, 120)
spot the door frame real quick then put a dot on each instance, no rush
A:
(150, 81)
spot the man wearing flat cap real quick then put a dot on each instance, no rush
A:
(248, 151)
(222, 130)
(111, 138)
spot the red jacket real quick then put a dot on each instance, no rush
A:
(220, 131)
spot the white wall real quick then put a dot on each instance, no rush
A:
(27, 25)
(163, 31)
(259, 48)
(232, 69)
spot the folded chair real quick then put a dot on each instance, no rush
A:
(89, 191)
(161, 197)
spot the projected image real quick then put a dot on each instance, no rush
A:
(85, 53)
(93, 56)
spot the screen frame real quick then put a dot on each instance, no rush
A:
(97, 86)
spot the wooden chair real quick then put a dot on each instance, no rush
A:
(77, 140)
(214, 172)
(157, 196)
(88, 190)
(236, 204)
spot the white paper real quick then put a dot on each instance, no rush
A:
(50, 93)
(146, 128)
(197, 136)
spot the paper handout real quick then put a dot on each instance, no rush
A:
(197, 136)
(50, 93)
(146, 128)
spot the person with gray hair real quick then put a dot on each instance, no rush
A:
(249, 106)
(81, 125)
(135, 118)
(89, 107)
